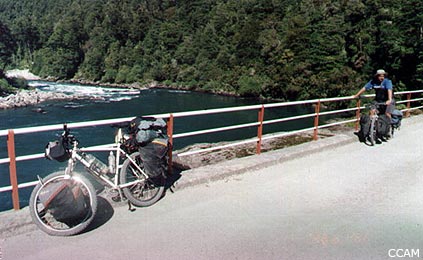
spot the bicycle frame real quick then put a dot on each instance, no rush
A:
(77, 155)
(128, 179)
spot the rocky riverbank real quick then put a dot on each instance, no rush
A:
(24, 98)
(34, 96)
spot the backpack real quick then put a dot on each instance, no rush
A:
(148, 129)
(383, 126)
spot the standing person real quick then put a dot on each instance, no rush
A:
(384, 94)
(383, 89)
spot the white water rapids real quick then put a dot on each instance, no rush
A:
(106, 94)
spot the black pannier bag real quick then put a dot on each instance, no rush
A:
(153, 144)
(57, 150)
(65, 201)
(383, 125)
(364, 125)
(154, 157)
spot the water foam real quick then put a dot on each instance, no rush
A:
(95, 92)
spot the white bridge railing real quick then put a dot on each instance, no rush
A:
(260, 123)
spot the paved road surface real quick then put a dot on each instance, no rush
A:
(348, 202)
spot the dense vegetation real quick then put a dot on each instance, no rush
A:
(287, 49)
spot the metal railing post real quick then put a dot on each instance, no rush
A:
(407, 114)
(357, 115)
(316, 120)
(12, 168)
(170, 134)
(260, 129)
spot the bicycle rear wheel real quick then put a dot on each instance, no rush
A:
(47, 208)
(145, 191)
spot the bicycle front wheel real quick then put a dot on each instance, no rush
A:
(392, 131)
(372, 132)
(145, 191)
(63, 205)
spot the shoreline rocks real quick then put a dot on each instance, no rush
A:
(24, 98)
(135, 85)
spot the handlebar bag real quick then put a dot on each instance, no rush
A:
(56, 150)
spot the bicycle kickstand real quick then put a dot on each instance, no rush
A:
(130, 208)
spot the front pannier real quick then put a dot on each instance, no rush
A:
(364, 125)
(65, 201)
(383, 125)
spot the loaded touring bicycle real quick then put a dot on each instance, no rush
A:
(65, 203)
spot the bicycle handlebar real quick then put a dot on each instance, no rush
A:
(375, 104)
(66, 136)
(70, 139)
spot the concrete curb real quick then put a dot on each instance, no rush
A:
(225, 169)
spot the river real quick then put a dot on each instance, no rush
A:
(119, 103)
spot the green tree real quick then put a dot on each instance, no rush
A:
(28, 40)
(410, 26)
(112, 63)
(7, 47)
(63, 52)
(284, 49)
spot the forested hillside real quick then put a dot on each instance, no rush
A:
(287, 49)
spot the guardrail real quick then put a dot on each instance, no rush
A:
(12, 159)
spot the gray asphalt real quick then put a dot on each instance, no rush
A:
(334, 198)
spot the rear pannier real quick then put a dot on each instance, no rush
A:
(396, 118)
(153, 144)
